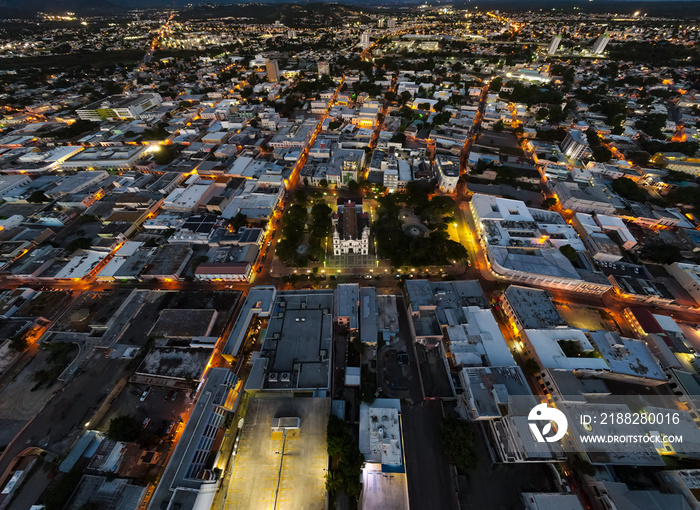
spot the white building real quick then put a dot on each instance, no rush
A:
(119, 107)
(12, 183)
(600, 44)
(447, 173)
(688, 276)
(574, 143)
(351, 235)
(364, 39)
(554, 45)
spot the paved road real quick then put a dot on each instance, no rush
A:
(430, 480)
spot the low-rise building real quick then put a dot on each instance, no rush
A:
(119, 107)
(190, 481)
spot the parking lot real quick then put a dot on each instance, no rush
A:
(158, 407)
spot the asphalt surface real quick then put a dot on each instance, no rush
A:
(430, 480)
(63, 418)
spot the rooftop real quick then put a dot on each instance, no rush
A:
(533, 308)
(296, 351)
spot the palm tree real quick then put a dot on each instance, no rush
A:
(333, 482)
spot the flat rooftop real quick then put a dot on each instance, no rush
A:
(534, 308)
(184, 323)
(347, 297)
(627, 356)
(446, 298)
(257, 465)
(368, 315)
(258, 303)
(296, 351)
(175, 363)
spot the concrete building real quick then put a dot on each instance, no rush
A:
(107, 158)
(617, 495)
(190, 480)
(351, 234)
(522, 244)
(227, 272)
(434, 305)
(119, 107)
(601, 354)
(11, 183)
(258, 304)
(688, 276)
(381, 442)
(685, 482)
(347, 305)
(273, 71)
(296, 351)
(574, 143)
(324, 68)
(447, 173)
(365, 39)
(550, 501)
(531, 309)
(554, 45)
(368, 316)
(600, 44)
(581, 197)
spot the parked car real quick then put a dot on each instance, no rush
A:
(145, 394)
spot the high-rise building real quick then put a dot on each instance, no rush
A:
(364, 39)
(600, 44)
(554, 45)
(273, 70)
(574, 143)
(324, 68)
(291, 34)
(391, 24)
(381, 22)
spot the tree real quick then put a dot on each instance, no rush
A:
(81, 243)
(549, 202)
(532, 367)
(125, 427)
(164, 155)
(584, 466)
(353, 186)
(661, 253)
(498, 127)
(542, 114)
(37, 197)
(333, 482)
(628, 189)
(457, 438)
(323, 183)
(601, 154)
(238, 221)
(300, 197)
(569, 252)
